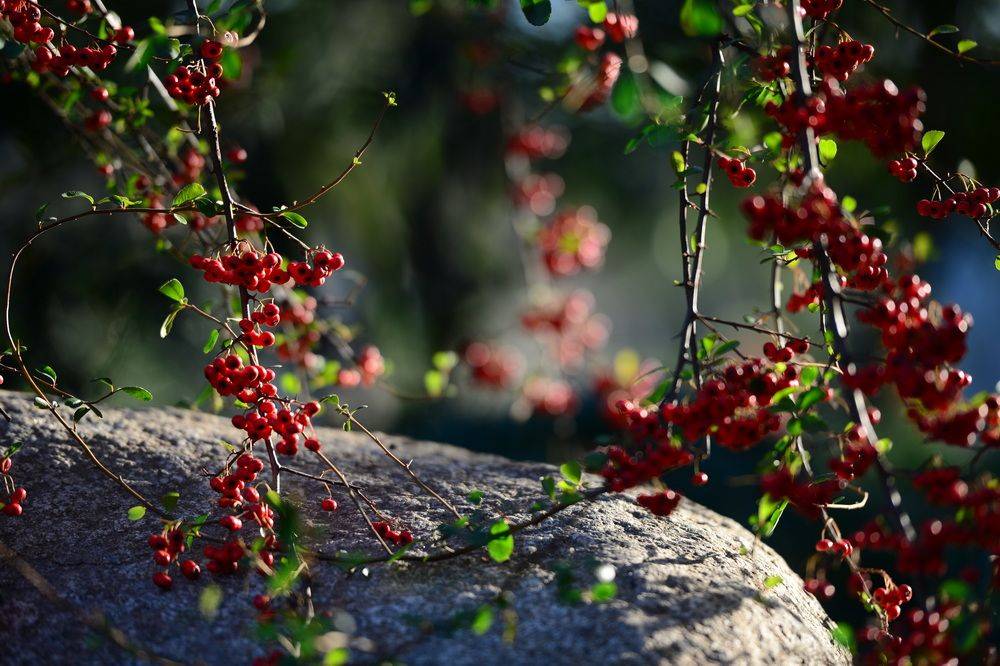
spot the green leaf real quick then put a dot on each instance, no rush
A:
(136, 513)
(811, 397)
(996, 263)
(742, 10)
(625, 96)
(168, 322)
(500, 548)
(76, 194)
(188, 193)
(209, 601)
(40, 212)
(843, 633)
(597, 11)
(173, 289)
(295, 219)
(930, 140)
(699, 18)
(537, 11)
(169, 500)
(549, 486)
(482, 621)
(213, 337)
(434, 383)
(603, 592)
(827, 150)
(945, 29)
(475, 497)
(572, 471)
(967, 45)
(772, 581)
(137, 392)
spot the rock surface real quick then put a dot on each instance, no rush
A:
(686, 594)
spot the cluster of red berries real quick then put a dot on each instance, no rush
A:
(738, 173)
(857, 455)
(24, 17)
(588, 37)
(249, 383)
(193, 86)
(267, 314)
(807, 498)
(569, 325)
(193, 163)
(655, 456)
(79, 6)
(904, 169)
(878, 114)
(976, 204)
(841, 547)
(820, 9)
(370, 364)
(167, 547)
(12, 505)
(225, 559)
(549, 396)
(399, 538)
(59, 62)
(891, 598)
(786, 353)
(538, 192)
(661, 503)
(268, 419)
(250, 269)
(599, 89)
(734, 406)
(493, 366)
(620, 27)
(573, 240)
(925, 638)
(536, 142)
(774, 67)
(817, 215)
(844, 59)
(324, 264)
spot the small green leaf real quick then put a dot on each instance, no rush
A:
(213, 337)
(188, 193)
(549, 486)
(572, 471)
(76, 194)
(603, 592)
(475, 497)
(136, 513)
(811, 397)
(295, 219)
(40, 212)
(945, 29)
(168, 322)
(434, 383)
(537, 11)
(597, 11)
(137, 392)
(827, 150)
(209, 601)
(930, 140)
(843, 633)
(996, 263)
(772, 581)
(742, 10)
(173, 289)
(169, 500)
(500, 548)
(967, 45)
(700, 18)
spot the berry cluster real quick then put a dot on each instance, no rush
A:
(167, 547)
(878, 114)
(267, 419)
(808, 498)
(904, 169)
(399, 538)
(841, 547)
(739, 174)
(774, 67)
(249, 383)
(844, 59)
(250, 269)
(661, 503)
(656, 456)
(233, 488)
(891, 598)
(573, 240)
(733, 407)
(599, 89)
(58, 62)
(324, 264)
(976, 204)
(493, 366)
(193, 86)
(620, 27)
(820, 9)
(589, 38)
(24, 17)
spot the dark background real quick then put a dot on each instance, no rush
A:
(426, 218)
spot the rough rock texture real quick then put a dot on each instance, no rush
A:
(686, 594)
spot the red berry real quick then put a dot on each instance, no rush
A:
(163, 580)
(329, 504)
